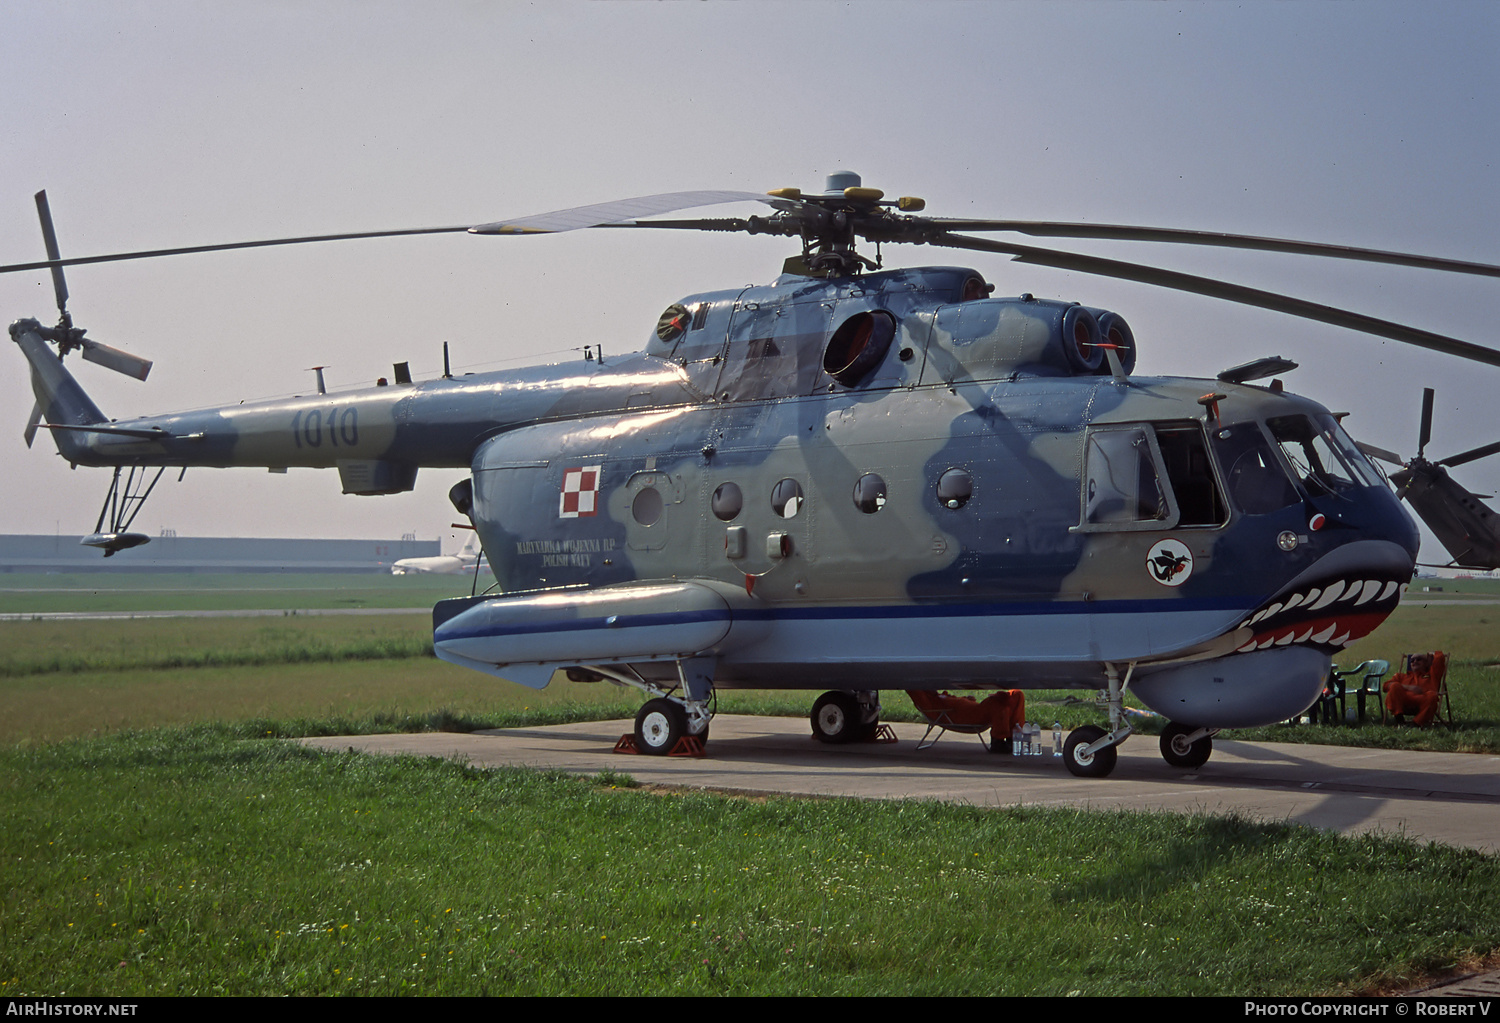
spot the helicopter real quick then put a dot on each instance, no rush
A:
(853, 479)
(1462, 522)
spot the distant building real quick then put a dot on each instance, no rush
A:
(172, 553)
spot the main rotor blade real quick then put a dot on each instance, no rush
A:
(115, 359)
(1125, 232)
(1424, 432)
(1229, 293)
(55, 264)
(32, 423)
(616, 212)
(1380, 453)
(1472, 454)
(49, 237)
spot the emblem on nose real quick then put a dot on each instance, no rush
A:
(1169, 562)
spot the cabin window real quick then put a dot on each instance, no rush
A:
(1184, 454)
(954, 488)
(869, 493)
(647, 506)
(727, 501)
(1124, 486)
(1253, 474)
(786, 498)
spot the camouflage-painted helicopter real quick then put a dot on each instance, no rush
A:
(1461, 521)
(856, 479)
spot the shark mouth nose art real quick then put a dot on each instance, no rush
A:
(1331, 615)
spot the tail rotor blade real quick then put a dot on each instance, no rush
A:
(49, 236)
(1426, 429)
(115, 359)
(33, 423)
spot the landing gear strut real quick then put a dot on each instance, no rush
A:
(674, 712)
(1090, 751)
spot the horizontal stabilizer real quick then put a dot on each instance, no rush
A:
(153, 433)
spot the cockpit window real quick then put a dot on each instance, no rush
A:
(1366, 470)
(1257, 483)
(1316, 454)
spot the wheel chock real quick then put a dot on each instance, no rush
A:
(883, 733)
(688, 746)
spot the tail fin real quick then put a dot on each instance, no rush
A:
(61, 400)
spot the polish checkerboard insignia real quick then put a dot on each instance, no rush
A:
(580, 493)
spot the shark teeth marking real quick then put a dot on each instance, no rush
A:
(1331, 628)
(1329, 596)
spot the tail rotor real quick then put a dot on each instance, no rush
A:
(67, 337)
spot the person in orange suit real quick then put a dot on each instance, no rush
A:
(1417, 691)
(1001, 711)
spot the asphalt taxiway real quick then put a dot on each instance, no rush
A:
(1452, 798)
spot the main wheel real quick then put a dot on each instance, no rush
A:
(836, 718)
(1097, 766)
(1177, 751)
(658, 726)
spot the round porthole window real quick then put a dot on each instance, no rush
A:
(786, 498)
(727, 501)
(869, 493)
(954, 488)
(647, 506)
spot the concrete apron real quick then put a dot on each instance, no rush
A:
(1452, 798)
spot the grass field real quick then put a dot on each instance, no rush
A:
(188, 861)
(22, 593)
(160, 840)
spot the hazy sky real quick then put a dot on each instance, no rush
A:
(157, 124)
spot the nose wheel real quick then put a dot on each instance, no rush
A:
(1186, 745)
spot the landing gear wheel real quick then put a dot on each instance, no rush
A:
(658, 726)
(836, 719)
(1097, 766)
(1177, 751)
